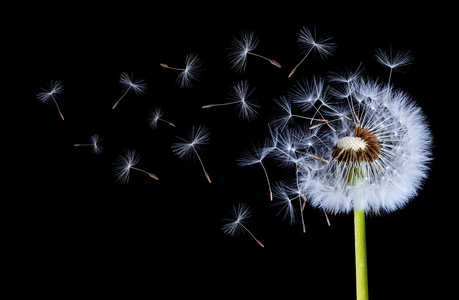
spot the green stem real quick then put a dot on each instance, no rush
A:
(360, 255)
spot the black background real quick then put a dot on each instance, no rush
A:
(78, 232)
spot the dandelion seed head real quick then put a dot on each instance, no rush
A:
(370, 150)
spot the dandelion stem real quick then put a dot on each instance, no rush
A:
(360, 255)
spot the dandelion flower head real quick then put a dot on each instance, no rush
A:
(366, 146)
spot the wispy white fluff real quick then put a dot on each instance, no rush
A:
(49, 94)
(239, 49)
(123, 165)
(284, 201)
(94, 143)
(237, 223)
(391, 180)
(239, 216)
(54, 89)
(128, 83)
(256, 156)
(240, 94)
(155, 116)
(394, 59)
(189, 148)
(308, 41)
(192, 71)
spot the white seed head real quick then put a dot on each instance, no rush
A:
(351, 143)
(375, 157)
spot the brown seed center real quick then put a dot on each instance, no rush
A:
(364, 146)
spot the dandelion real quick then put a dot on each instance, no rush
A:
(94, 143)
(373, 160)
(191, 72)
(156, 116)
(241, 47)
(255, 156)
(189, 148)
(239, 96)
(310, 43)
(235, 225)
(55, 88)
(129, 84)
(125, 163)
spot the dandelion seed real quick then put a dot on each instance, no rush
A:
(235, 225)
(393, 60)
(191, 72)
(156, 116)
(238, 96)
(129, 84)
(256, 155)
(189, 148)
(309, 43)
(125, 163)
(243, 46)
(55, 88)
(347, 76)
(284, 201)
(94, 143)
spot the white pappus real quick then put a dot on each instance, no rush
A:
(94, 143)
(49, 95)
(191, 72)
(189, 148)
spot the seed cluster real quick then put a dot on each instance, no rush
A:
(357, 153)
